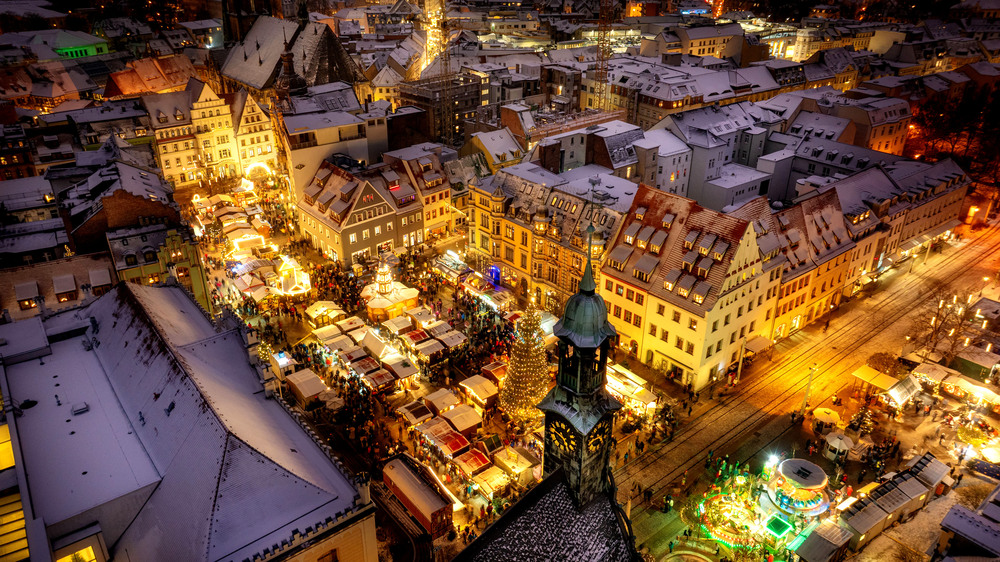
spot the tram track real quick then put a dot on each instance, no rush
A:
(742, 414)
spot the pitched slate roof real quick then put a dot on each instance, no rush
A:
(545, 525)
(688, 221)
(223, 450)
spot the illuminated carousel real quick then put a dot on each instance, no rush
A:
(731, 518)
(796, 487)
(386, 298)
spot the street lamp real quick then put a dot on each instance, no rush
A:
(805, 399)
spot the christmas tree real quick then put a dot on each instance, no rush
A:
(528, 374)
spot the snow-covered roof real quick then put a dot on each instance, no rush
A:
(255, 61)
(221, 448)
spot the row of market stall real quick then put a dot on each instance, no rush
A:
(451, 425)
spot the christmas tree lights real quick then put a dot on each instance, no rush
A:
(528, 373)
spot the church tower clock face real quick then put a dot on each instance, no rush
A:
(599, 436)
(563, 436)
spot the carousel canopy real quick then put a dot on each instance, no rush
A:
(826, 415)
(802, 473)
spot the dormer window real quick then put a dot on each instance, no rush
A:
(639, 213)
(689, 239)
(699, 299)
(668, 220)
(671, 279)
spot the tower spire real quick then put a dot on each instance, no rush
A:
(587, 284)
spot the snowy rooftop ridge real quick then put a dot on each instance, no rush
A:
(223, 450)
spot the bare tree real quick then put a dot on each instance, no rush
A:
(948, 326)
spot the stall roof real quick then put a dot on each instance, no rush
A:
(934, 371)
(972, 386)
(874, 377)
(353, 354)
(472, 462)
(929, 470)
(463, 417)
(434, 427)
(904, 389)
(378, 379)
(480, 386)
(415, 337)
(972, 527)
(351, 323)
(415, 412)
(359, 334)
(429, 348)
(365, 365)
(442, 399)
(453, 339)
(491, 479)
(451, 442)
(340, 343)
(320, 308)
(823, 542)
(327, 334)
(435, 329)
(424, 498)
(864, 515)
(306, 382)
(514, 461)
(421, 314)
(909, 484)
(889, 497)
(398, 324)
(374, 344)
(401, 367)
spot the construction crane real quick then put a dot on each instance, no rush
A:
(602, 90)
(447, 77)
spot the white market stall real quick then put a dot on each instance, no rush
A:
(441, 400)
(305, 385)
(464, 419)
(480, 391)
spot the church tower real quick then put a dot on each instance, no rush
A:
(579, 412)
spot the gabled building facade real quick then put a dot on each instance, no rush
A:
(687, 286)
